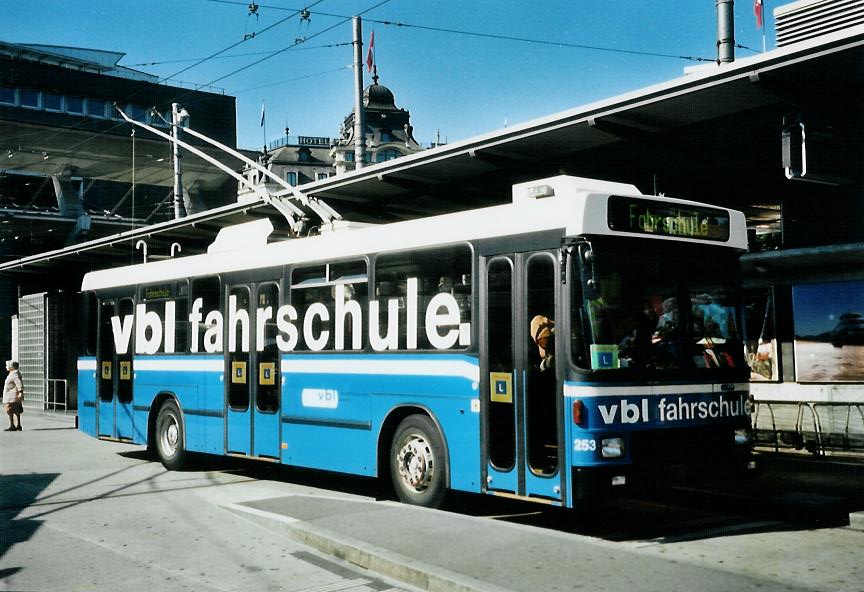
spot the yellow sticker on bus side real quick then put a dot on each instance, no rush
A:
(501, 387)
(238, 372)
(267, 373)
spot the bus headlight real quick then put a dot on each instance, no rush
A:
(612, 447)
(742, 436)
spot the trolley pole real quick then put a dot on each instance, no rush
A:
(359, 119)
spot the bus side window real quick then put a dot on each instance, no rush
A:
(444, 270)
(181, 317)
(308, 287)
(206, 289)
(156, 298)
(317, 285)
(352, 276)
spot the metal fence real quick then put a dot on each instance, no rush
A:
(817, 427)
(32, 348)
(56, 394)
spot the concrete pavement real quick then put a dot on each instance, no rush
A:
(488, 544)
(438, 550)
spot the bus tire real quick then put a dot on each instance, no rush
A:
(170, 436)
(418, 466)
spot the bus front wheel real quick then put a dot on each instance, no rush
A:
(170, 436)
(417, 462)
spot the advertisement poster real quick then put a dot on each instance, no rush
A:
(829, 332)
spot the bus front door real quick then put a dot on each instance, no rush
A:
(115, 418)
(519, 378)
(252, 365)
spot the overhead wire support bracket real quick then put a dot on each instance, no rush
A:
(322, 210)
(295, 215)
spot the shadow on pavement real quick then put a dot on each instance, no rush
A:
(18, 492)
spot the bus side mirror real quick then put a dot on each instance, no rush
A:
(590, 284)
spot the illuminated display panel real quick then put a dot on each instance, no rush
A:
(645, 216)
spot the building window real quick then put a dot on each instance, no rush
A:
(75, 105)
(136, 112)
(321, 176)
(291, 178)
(386, 137)
(96, 107)
(52, 102)
(349, 157)
(29, 98)
(7, 95)
(385, 155)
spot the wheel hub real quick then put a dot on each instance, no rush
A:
(416, 463)
(170, 437)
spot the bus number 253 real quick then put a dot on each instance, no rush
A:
(584, 445)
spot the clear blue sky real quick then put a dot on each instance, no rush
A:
(459, 84)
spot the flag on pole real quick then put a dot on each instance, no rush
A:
(262, 113)
(757, 11)
(370, 54)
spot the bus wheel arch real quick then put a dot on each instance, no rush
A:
(413, 451)
(167, 432)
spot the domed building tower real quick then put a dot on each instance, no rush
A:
(389, 133)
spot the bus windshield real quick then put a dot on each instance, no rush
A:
(655, 311)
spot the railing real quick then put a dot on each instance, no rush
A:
(52, 400)
(804, 427)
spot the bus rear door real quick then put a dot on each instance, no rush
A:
(115, 418)
(518, 377)
(252, 365)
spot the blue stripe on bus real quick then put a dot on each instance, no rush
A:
(369, 387)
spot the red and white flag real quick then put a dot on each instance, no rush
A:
(370, 54)
(757, 10)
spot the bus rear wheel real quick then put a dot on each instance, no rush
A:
(418, 466)
(170, 436)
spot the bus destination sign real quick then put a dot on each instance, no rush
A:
(645, 216)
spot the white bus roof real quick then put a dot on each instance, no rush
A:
(574, 205)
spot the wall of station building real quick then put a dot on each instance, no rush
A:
(44, 94)
(8, 309)
(46, 346)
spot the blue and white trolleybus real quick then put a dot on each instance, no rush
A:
(582, 338)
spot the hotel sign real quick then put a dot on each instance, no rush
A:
(313, 141)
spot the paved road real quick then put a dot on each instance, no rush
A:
(77, 513)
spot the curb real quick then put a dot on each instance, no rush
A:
(856, 521)
(363, 554)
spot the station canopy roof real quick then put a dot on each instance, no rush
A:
(712, 135)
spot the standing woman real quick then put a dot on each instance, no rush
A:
(13, 396)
